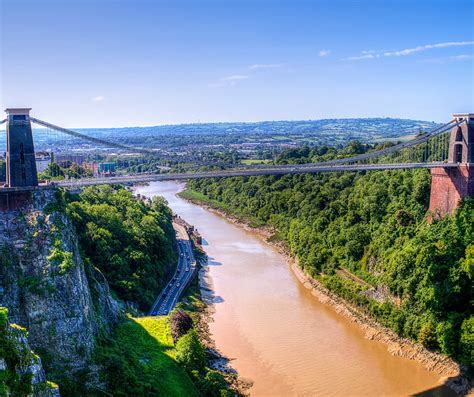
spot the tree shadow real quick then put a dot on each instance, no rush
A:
(212, 262)
(444, 390)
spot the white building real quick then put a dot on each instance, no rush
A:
(43, 159)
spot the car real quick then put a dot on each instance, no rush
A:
(178, 284)
(187, 269)
(181, 254)
(178, 270)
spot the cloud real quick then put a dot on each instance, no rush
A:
(98, 98)
(409, 51)
(235, 77)
(324, 53)
(372, 54)
(454, 58)
(229, 80)
(359, 57)
(265, 66)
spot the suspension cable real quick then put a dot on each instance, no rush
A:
(92, 139)
(3, 121)
(391, 149)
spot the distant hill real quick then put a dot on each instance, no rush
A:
(268, 133)
(381, 127)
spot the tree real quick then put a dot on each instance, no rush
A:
(180, 323)
(190, 352)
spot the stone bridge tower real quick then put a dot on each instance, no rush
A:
(21, 162)
(450, 185)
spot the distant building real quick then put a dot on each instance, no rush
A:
(67, 159)
(107, 168)
(93, 167)
(43, 160)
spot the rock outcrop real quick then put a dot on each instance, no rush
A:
(48, 289)
(21, 371)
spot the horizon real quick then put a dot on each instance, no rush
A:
(102, 64)
(3, 126)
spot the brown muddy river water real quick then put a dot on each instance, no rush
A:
(277, 333)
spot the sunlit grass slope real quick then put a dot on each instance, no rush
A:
(148, 341)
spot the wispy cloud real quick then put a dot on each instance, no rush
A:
(324, 53)
(235, 77)
(363, 56)
(229, 80)
(409, 51)
(265, 66)
(98, 98)
(454, 58)
(372, 54)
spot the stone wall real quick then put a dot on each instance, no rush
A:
(448, 187)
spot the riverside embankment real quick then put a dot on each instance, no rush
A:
(275, 330)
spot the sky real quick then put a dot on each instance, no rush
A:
(109, 63)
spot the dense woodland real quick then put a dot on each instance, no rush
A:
(375, 226)
(130, 241)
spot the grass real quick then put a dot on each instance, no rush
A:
(148, 343)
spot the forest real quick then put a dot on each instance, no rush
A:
(375, 226)
(130, 241)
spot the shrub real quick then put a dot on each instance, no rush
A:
(190, 352)
(180, 323)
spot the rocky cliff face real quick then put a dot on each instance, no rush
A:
(21, 371)
(64, 303)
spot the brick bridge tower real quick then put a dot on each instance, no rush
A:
(450, 185)
(21, 163)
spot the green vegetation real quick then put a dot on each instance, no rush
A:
(68, 169)
(130, 241)
(374, 225)
(190, 352)
(14, 380)
(60, 258)
(139, 360)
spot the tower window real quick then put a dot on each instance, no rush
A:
(458, 154)
(19, 117)
(22, 154)
(459, 135)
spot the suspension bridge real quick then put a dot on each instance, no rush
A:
(448, 150)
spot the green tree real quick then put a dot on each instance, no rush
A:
(190, 352)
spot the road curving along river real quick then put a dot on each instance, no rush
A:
(277, 333)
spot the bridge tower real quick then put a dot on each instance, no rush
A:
(450, 185)
(21, 162)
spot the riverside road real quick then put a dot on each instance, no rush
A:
(168, 298)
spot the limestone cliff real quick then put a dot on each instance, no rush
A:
(21, 371)
(64, 303)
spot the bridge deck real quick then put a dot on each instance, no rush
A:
(271, 170)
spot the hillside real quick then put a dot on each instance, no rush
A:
(366, 237)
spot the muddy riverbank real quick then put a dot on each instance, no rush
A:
(276, 332)
(397, 346)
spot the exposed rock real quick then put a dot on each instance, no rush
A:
(21, 368)
(46, 286)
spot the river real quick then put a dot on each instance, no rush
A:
(277, 333)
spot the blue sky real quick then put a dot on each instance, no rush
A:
(126, 63)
